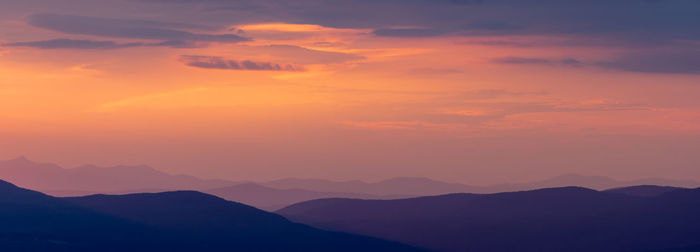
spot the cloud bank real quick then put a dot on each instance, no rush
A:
(126, 28)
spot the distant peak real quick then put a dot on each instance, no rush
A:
(580, 176)
(118, 167)
(410, 179)
(20, 159)
(571, 175)
(5, 185)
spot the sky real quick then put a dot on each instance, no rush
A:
(470, 91)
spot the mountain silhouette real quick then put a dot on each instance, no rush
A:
(593, 182)
(644, 190)
(169, 221)
(90, 179)
(271, 199)
(555, 219)
(227, 224)
(33, 221)
(428, 187)
(395, 186)
(272, 195)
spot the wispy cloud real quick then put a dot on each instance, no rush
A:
(408, 32)
(304, 55)
(87, 44)
(659, 62)
(667, 62)
(661, 21)
(505, 43)
(213, 62)
(73, 44)
(126, 28)
(537, 61)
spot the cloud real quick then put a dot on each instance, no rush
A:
(499, 43)
(667, 62)
(644, 26)
(213, 62)
(125, 28)
(407, 32)
(471, 114)
(73, 44)
(432, 71)
(476, 28)
(632, 21)
(537, 61)
(481, 106)
(304, 55)
(391, 125)
(296, 54)
(177, 44)
(248, 2)
(95, 44)
(519, 60)
(489, 27)
(491, 94)
(658, 62)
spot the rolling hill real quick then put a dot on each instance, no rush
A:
(271, 199)
(644, 190)
(169, 221)
(555, 219)
(428, 187)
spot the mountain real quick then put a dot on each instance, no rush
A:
(169, 221)
(32, 221)
(427, 187)
(396, 186)
(271, 199)
(644, 190)
(91, 179)
(225, 224)
(594, 182)
(555, 219)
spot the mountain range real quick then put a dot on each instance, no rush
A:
(271, 199)
(426, 187)
(89, 179)
(169, 221)
(338, 216)
(272, 195)
(553, 219)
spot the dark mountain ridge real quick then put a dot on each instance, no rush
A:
(644, 190)
(170, 221)
(428, 187)
(271, 199)
(554, 219)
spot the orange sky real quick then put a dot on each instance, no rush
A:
(347, 103)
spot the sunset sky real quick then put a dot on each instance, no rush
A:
(471, 91)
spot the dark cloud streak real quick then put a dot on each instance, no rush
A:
(124, 28)
(213, 62)
(73, 44)
(84, 44)
(630, 20)
(537, 61)
(657, 62)
(673, 62)
(403, 32)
